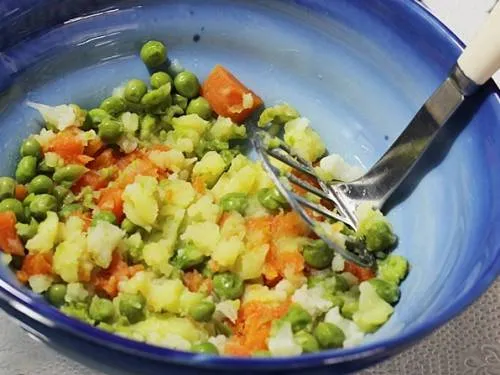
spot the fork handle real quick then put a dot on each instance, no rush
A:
(481, 58)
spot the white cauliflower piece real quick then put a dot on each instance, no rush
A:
(282, 344)
(228, 309)
(61, 116)
(102, 239)
(353, 335)
(45, 137)
(312, 300)
(219, 341)
(338, 263)
(128, 143)
(40, 283)
(334, 167)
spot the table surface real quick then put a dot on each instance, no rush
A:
(470, 344)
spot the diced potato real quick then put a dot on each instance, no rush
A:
(234, 225)
(46, 236)
(188, 300)
(40, 283)
(139, 283)
(76, 292)
(68, 257)
(172, 160)
(157, 254)
(303, 139)
(205, 236)
(227, 251)
(165, 295)
(204, 210)
(140, 201)
(165, 325)
(249, 265)
(224, 129)
(209, 168)
(179, 193)
(262, 293)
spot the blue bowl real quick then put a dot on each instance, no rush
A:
(358, 69)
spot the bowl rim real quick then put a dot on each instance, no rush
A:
(52, 317)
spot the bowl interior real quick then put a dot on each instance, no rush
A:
(357, 70)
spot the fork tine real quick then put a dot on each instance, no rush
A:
(320, 209)
(308, 187)
(290, 162)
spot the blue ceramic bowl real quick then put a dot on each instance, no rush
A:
(358, 69)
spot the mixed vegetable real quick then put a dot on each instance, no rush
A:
(144, 218)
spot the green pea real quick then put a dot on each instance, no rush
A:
(26, 169)
(135, 90)
(329, 336)
(42, 204)
(61, 192)
(41, 184)
(131, 306)
(201, 107)
(110, 130)
(180, 100)
(114, 105)
(101, 309)
(187, 84)
(349, 307)
(69, 173)
(298, 317)
(29, 198)
(318, 255)
(12, 204)
(205, 348)
(203, 311)
(149, 125)
(307, 341)
(188, 256)
(234, 202)
(157, 97)
(97, 115)
(68, 209)
(153, 53)
(159, 79)
(341, 284)
(128, 226)
(27, 231)
(31, 147)
(271, 199)
(56, 294)
(7, 187)
(228, 285)
(103, 216)
(387, 291)
(44, 168)
(222, 328)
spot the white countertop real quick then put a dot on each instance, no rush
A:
(446, 352)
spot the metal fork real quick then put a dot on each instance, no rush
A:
(479, 61)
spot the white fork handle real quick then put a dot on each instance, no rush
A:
(481, 58)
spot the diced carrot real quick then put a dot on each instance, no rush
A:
(10, 242)
(84, 159)
(93, 147)
(106, 281)
(105, 159)
(68, 145)
(159, 147)
(259, 230)
(226, 94)
(139, 167)
(223, 218)
(111, 200)
(199, 185)
(253, 326)
(37, 264)
(22, 277)
(21, 192)
(192, 280)
(289, 225)
(361, 273)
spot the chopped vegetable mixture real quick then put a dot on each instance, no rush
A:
(144, 218)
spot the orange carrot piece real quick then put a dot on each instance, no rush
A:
(289, 225)
(37, 264)
(10, 242)
(199, 185)
(93, 147)
(105, 159)
(68, 146)
(111, 200)
(21, 192)
(92, 179)
(361, 273)
(226, 94)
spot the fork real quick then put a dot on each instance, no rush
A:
(478, 62)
